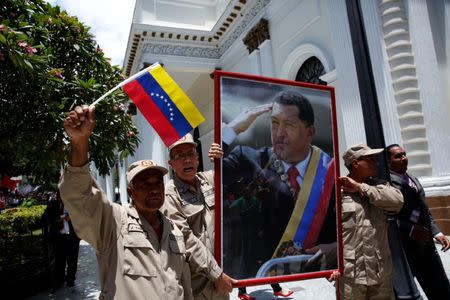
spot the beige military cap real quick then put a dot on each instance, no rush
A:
(187, 139)
(357, 151)
(142, 165)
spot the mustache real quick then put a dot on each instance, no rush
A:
(154, 197)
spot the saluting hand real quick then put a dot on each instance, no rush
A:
(243, 121)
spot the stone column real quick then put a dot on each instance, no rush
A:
(348, 102)
(267, 67)
(151, 146)
(429, 82)
(123, 183)
(381, 71)
(109, 182)
(255, 62)
(260, 56)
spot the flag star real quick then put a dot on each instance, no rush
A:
(168, 104)
(162, 97)
(165, 100)
(157, 95)
(171, 119)
(171, 114)
(170, 109)
(151, 94)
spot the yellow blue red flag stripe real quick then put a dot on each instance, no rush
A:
(164, 104)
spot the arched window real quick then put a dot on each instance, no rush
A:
(310, 71)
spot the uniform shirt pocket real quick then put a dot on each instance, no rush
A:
(192, 209)
(177, 253)
(348, 214)
(176, 244)
(138, 256)
(349, 262)
(189, 198)
(209, 197)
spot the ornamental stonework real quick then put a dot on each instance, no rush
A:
(206, 52)
(257, 35)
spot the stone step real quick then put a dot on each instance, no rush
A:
(444, 225)
(438, 201)
(439, 213)
(440, 210)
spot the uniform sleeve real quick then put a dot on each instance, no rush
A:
(200, 259)
(92, 214)
(384, 196)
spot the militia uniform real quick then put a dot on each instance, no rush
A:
(133, 262)
(193, 212)
(367, 258)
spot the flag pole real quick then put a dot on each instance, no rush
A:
(125, 82)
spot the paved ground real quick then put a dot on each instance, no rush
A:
(87, 284)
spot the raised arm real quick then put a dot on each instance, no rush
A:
(91, 213)
(383, 196)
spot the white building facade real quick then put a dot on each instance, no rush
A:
(408, 43)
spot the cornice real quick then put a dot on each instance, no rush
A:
(196, 43)
(178, 50)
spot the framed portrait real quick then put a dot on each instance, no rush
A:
(277, 207)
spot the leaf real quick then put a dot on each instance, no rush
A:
(34, 106)
(28, 65)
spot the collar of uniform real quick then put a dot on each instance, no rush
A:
(133, 212)
(182, 186)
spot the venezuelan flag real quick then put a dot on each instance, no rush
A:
(163, 103)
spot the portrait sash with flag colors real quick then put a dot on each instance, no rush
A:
(163, 103)
(311, 204)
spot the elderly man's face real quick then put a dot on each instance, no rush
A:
(147, 191)
(290, 137)
(398, 161)
(184, 162)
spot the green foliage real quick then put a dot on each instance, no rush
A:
(20, 220)
(28, 202)
(49, 63)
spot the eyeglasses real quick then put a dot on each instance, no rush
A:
(184, 156)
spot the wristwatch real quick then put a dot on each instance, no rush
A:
(363, 188)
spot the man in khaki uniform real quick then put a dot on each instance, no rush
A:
(190, 204)
(365, 207)
(141, 254)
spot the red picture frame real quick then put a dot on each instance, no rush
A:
(220, 79)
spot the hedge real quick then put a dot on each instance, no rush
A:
(21, 220)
